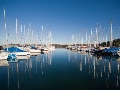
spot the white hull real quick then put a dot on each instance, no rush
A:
(4, 63)
(73, 48)
(118, 53)
(3, 56)
(48, 48)
(22, 57)
(20, 53)
(45, 50)
(28, 53)
(12, 61)
(34, 51)
(34, 54)
(51, 48)
(78, 49)
(84, 49)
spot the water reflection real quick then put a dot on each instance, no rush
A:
(62, 70)
(17, 75)
(99, 67)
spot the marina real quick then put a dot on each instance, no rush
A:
(59, 45)
(62, 69)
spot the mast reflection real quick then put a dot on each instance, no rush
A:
(98, 66)
(25, 70)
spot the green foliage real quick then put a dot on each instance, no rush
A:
(115, 43)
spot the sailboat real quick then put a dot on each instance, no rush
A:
(32, 49)
(112, 50)
(16, 50)
(4, 55)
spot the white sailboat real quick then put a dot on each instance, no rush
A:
(17, 50)
(4, 55)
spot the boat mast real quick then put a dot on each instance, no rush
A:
(21, 35)
(50, 38)
(73, 40)
(24, 36)
(42, 36)
(97, 45)
(5, 27)
(16, 31)
(32, 37)
(111, 33)
(86, 38)
(91, 38)
(106, 40)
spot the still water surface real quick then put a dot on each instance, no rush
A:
(62, 69)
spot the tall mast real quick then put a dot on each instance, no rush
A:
(86, 38)
(28, 36)
(24, 36)
(81, 40)
(16, 31)
(21, 35)
(50, 39)
(111, 33)
(97, 36)
(32, 36)
(4, 20)
(42, 36)
(106, 40)
(5, 26)
(91, 37)
(73, 39)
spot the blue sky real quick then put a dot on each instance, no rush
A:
(63, 18)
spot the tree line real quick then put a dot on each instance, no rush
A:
(115, 43)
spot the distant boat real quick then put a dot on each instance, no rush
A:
(111, 51)
(74, 48)
(32, 49)
(25, 52)
(45, 49)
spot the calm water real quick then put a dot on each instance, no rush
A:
(62, 70)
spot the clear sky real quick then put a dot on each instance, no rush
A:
(63, 18)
